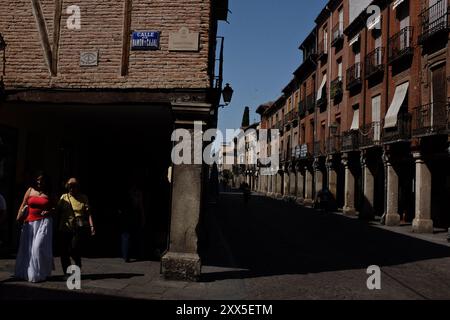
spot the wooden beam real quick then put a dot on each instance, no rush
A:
(126, 35)
(56, 35)
(42, 30)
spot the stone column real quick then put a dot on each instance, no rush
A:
(318, 176)
(300, 185)
(182, 261)
(279, 187)
(308, 201)
(332, 177)
(369, 188)
(349, 192)
(422, 222)
(292, 183)
(392, 215)
(275, 177)
(286, 183)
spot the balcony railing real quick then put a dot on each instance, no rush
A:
(310, 54)
(338, 34)
(431, 119)
(375, 62)
(322, 102)
(319, 148)
(354, 76)
(334, 144)
(350, 141)
(401, 44)
(434, 20)
(322, 49)
(310, 102)
(402, 132)
(336, 89)
(305, 151)
(370, 135)
(279, 126)
(302, 108)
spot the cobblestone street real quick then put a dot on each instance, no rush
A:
(270, 249)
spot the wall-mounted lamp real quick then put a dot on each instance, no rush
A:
(227, 94)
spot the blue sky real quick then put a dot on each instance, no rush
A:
(261, 51)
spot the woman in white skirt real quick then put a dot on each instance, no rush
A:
(34, 261)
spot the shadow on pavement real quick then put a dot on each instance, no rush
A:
(11, 292)
(269, 237)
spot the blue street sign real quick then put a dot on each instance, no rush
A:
(145, 40)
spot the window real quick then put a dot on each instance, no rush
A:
(339, 69)
(376, 117)
(341, 21)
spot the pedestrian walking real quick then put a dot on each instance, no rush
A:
(34, 261)
(132, 220)
(246, 192)
(323, 199)
(75, 224)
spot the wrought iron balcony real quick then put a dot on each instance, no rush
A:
(337, 34)
(336, 89)
(434, 21)
(310, 102)
(279, 126)
(319, 148)
(302, 108)
(402, 132)
(350, 141)
(354, 76)
(306, 150)
(287, 121)
(375, 62)
(334, 144)
(322, 51)
(310, 54)
(401, 44)
(370, 135)
(431, 119)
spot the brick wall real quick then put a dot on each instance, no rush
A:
(101, 29)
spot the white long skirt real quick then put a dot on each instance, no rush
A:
(34, 261)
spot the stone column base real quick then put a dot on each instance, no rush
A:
(422, 226)
(181, 266)
(308, 203)
(349, 211)
(392, 219)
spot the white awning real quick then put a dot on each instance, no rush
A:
(355, 122)
(354, 40)
(396, 4)
(372, 24)
(390, 121)
(322, 85)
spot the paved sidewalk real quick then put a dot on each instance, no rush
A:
(269, 249)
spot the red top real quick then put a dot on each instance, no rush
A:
(35, 207)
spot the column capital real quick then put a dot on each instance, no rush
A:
(418, 157)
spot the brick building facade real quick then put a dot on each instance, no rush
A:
(84, 101)
(377, 133)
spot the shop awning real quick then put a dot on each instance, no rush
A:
(322, 85)
(354, 40)
(355, 122)
(390, 121)
(396, 4)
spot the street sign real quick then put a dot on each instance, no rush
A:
(145, 40)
